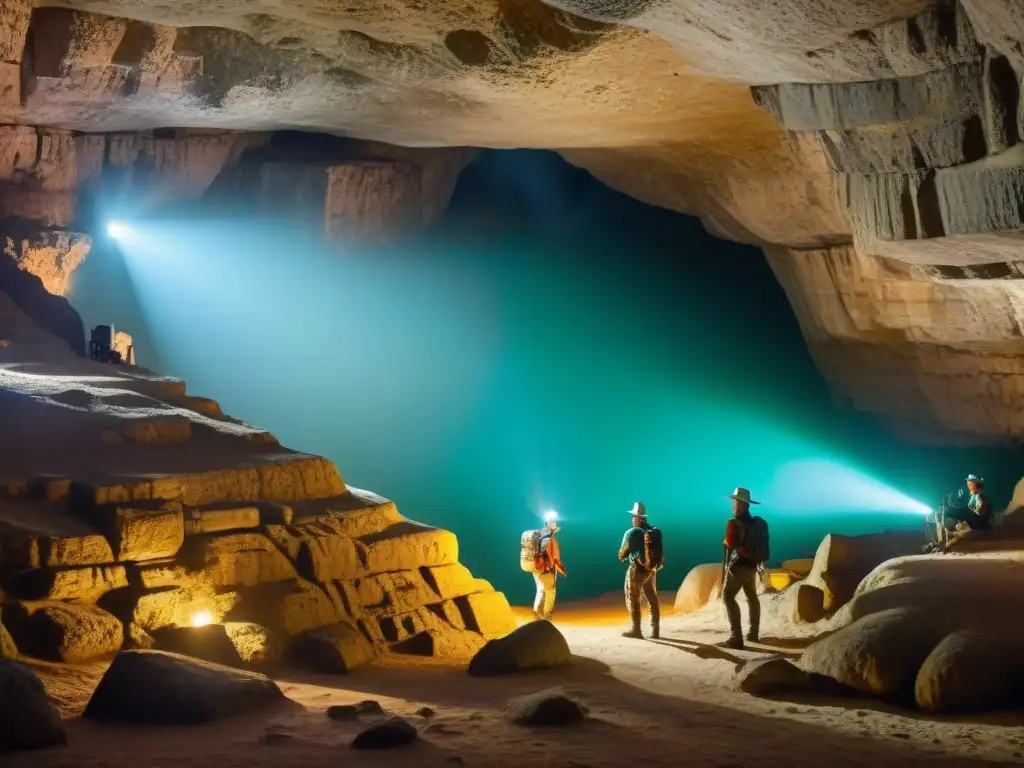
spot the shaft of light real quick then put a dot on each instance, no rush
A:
(820, 485)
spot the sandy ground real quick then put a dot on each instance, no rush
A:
(656, 703)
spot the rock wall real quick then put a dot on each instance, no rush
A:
(128, 507)
(887, 129)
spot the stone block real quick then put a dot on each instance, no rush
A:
(215, 520)
(142, 533)
(14, 19)
(355, 513)
(397, 592)
(488, 613)
(82, 583)
(288, 608)
(273, 477)
(452, 580)
(179, 607)
(320, 551)
(408, 545)
(63, 631)
(236, 559)
(234, 644)
(337, 648)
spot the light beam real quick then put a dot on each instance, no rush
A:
(820, 485)
(118, 229)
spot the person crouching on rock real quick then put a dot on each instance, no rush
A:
(642, 548)
(549, 566)
(976, 516)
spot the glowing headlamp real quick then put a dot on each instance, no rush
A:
(550, 516)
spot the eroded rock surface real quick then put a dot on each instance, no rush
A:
(884, 135)
(129, 543)
(27, 718)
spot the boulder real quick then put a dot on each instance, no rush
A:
(158, 687)
(548, 707)
(842, 561)
(969, 672)
(407, 545)
(394, 732)
(233, 644)
(450, 581)
(806, 603)
(63, 631)
(771, 676)
(86, 583)
(8, 648)
(698, 586)
(338, 648)
(27, 719)
(537, 645)
(878, 654)
(342, 712)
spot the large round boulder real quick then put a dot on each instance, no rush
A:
(549, 707)
(27, 719)
(969, 672)
(842, 561)
(771, 676)
(537, 645)
(159, 687)
(697, 588)
(878, 654)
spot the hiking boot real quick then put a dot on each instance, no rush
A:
(752, 637)
(736, 643)
(634, 633)
(655, 633)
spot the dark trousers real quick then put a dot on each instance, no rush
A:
(641, 585)
(741, 577)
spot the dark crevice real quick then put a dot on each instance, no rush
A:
(946, 23)
(975, 145)
(928, 207)
(909, 217)
(1006, 93)
(917, 43)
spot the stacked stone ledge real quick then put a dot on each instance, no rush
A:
(285, 546)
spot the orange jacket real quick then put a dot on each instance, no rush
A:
(553, 555)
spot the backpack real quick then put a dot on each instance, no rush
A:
(755, 540)
(654, 551)
(532, 557)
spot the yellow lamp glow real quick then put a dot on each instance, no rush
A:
(202, 618)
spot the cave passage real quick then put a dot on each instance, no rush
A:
(550, 343)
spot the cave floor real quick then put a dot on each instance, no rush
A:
(662, 703)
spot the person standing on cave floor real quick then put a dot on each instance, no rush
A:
(549, 567)
(746, 551)
(642, 548)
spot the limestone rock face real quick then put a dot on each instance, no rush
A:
(51, 255)
(141, 543)
(819, 129)
(338, 648)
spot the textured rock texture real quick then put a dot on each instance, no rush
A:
(871, 148)
(189, 519)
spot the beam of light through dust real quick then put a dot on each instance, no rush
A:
(823, 486)
(118, 230)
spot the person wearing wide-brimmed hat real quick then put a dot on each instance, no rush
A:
(975, 516)
(641, 581)
(741, 568)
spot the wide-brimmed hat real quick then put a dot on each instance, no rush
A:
(742, 494)
(973, 478)
(638, 510)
